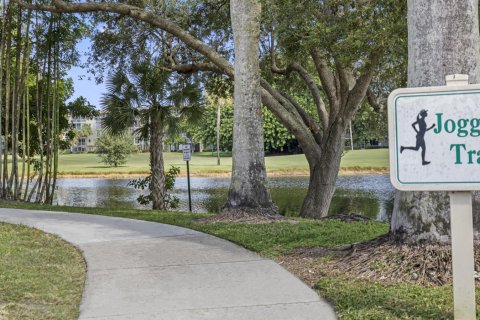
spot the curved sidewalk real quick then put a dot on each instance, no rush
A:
(146, 270)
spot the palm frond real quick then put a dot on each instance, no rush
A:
(143, 132)
(146, 90)
(118, 112)
(193, 114)
(172, 125)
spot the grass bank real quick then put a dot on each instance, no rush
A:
(268, 239)
(41, 276)
(205, 164)
(352, 298)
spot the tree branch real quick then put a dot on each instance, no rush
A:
(374, 101)
(314, 90)
(290, 117)
(326, 77)
(307, 119)
(358, 92)
(194, 67)
(142, 15)
(346, 82)
(274, 67)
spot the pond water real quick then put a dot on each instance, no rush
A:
(371, 195)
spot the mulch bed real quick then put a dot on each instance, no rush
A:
(380, 260)
(243, 216)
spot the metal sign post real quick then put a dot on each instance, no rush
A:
(187, 156)
(434, 135)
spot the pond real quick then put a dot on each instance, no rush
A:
(371, 195)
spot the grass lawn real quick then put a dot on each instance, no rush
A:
(361, 299)
(206, 164)
(353, 298)
(41, 276)
(373, 158)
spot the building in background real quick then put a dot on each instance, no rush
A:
(86, 142)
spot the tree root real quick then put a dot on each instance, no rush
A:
(381, 260)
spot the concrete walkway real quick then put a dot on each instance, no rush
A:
(146, 270)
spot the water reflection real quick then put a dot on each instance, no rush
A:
(96, 193)
(368, 195)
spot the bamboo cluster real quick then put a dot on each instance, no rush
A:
(29, 104)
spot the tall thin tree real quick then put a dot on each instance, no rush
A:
(2, 64)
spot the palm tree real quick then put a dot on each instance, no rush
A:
(155, 100)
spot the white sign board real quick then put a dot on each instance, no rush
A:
(434, 138)
(187, 153)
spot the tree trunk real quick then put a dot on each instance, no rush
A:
(3, 143)
(27, 145)
(8, 41)
(248, 192)
(157, 184)
(16, 102)
(323, 174)
(55, 112)
(443, 39)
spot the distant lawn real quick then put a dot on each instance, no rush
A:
(373, 158)
(41, 276)
(206, 164)
(89, 163)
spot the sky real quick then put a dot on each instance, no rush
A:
(85, 87)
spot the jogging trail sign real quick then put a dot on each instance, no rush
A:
(434, 138)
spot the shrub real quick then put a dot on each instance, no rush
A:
(114, 149)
